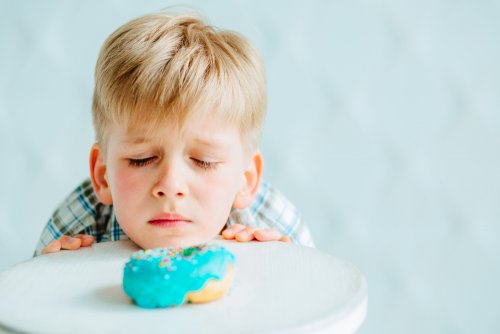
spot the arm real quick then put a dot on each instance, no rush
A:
(78, 215)
(69, 243)
(270, 217)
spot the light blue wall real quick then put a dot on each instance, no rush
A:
(383, 127)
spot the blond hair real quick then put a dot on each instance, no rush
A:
(166, 66)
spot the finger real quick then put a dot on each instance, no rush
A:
(246, 234)
(267, 234)
(231, 231)
(87, 240)
(52, 247)
(70, 243)
(285, 239)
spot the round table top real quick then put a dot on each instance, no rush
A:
(278, 288)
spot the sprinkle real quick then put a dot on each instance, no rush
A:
(166, 255)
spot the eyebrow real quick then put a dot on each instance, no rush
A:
(137, 140)
(198, 140)
(210, 142)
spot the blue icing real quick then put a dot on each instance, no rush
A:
(162, 277)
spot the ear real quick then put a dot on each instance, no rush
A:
(98, 175)
(252, 177)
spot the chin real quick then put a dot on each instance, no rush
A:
(180, 242)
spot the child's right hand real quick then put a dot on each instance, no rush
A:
(70, 243)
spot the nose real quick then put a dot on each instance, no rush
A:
(171, 182)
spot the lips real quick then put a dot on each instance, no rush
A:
(168, 220)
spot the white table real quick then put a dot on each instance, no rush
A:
(278, 288)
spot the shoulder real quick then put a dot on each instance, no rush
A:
(79, 211)
(272, 203)
(270, 208)
(79, 204)
(275, 210)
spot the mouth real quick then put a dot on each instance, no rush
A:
(169, 220)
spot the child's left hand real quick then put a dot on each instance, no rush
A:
(244, 233)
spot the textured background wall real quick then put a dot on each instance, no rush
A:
(383, 127)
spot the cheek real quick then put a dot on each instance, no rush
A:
(126, 186)
(218, 189)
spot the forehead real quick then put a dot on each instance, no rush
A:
(206, 131)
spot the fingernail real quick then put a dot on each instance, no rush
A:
(244, 235)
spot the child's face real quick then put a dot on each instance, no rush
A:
(171, 188)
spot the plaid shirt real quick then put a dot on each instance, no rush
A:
(82, 213)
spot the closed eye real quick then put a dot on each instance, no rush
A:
(140, 162)
(204, 164)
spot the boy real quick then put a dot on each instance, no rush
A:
(178, 109)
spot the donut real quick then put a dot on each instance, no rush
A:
(165, 277)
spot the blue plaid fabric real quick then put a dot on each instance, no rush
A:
(82, 213)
